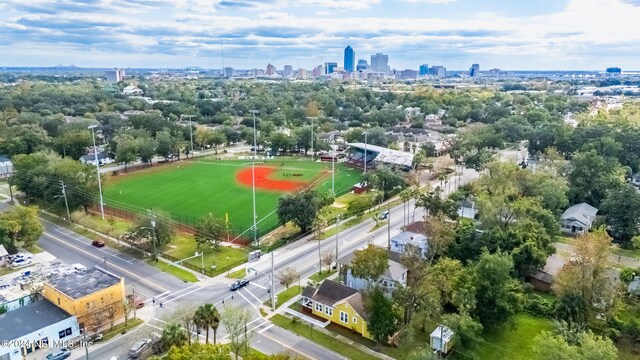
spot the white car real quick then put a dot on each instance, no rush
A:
(79, 267)
(20, 256)
(21, 262)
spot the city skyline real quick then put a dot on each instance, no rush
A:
(547, 35)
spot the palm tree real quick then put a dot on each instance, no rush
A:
(205, 317)
(173, 335)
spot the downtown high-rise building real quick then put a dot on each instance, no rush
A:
(380, 63)
(362, 65)
(423, 70)
(288, 70)
(349, 59)
(330, 67)
(474, 70)
(115, 75)
(271, 70)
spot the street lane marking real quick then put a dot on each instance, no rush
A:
(155, 327)
(141, 279)
(265, 329)
(255, 297)
(82, 241)
(260, 286)
(181, 295)
(250, 303)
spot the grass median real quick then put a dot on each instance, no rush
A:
(285, 296)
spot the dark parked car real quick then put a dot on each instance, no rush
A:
(59, 354)
(97, 243)
(239, 284)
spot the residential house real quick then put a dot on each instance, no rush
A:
(442, 339)
(634, 286)
(337, 303)
(395, 275)
(132, 90)
(6, 166)
(635, 179)
(95, 296)
(578, 219)
(37, 325)
(399, 242)
(103, 159)
(467, 209)
(4, 256)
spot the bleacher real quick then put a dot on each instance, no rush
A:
(378, 155)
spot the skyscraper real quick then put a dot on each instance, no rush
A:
(380, 63)
(362, 65)
(424, 70)
(270, 70)
(349, 59)
(474, 70)
(329, 67)
(288, 70)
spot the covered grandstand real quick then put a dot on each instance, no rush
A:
(378, 155)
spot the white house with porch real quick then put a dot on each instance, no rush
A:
(578, 219)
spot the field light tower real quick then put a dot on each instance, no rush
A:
(253, 177)
(95, 157)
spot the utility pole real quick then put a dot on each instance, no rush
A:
(273, 294)
(333, 168)
(319, 258)
(9, 182)
(86, 343)
(312, 138)
(66, 204)
(388, 226)
(190, 131)
(253, 178)
(365, 152)
(153, 240)
(133, 292)
(337, 232)
(95, 157)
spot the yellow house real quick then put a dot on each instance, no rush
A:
(339, 304)
(94, 296)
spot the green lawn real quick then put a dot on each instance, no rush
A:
(193, 189)
(117, 329)
(174, 270)
(321, 338)
(184, 246)
(239, 274)
(512, 342)
(319, 276)
(285, 296)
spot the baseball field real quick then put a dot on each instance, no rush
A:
(191, 189)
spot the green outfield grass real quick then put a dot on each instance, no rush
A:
(193, 189)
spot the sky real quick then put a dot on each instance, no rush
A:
(505, 34)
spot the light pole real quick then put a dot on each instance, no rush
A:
(253, 177)
(333, 169)
(190, 132)
(365, 151)
(153, 239)
(311, 138)
(337, 231)
(95, 157)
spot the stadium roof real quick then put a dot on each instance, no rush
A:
(387, 156)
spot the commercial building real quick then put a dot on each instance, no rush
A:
(439, 71)
(474, 70)
(94, 296)
(330, 67)
(349, 59)
(227, 72)
(271, 70)
(380, 63)
(362, 65)
(407, 74)
(115, 75)
(37, 325)
(288, 70)
(424, 70)
(301, 74)
(614, 71)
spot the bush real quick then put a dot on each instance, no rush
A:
(536, 305)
